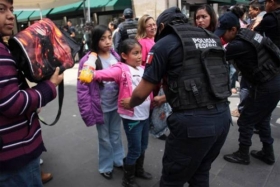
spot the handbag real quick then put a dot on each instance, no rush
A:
(39, 49)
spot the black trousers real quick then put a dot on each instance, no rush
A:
(196, 137)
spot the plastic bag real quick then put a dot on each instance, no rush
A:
(158, 118)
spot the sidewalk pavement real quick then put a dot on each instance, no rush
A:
(73, 148)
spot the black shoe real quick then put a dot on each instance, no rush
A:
(162, 137)
(107, 175)
(268, 159)
(238, 158)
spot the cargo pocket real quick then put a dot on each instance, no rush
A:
(177, 169)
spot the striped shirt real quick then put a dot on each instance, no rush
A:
(19, 125)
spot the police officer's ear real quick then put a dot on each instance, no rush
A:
(234, 30)
(161, 27)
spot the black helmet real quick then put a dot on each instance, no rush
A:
(128, 13)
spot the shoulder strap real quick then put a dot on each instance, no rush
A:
(60, 103)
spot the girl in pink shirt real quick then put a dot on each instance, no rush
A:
(127, 74)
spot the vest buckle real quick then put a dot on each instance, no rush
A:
(195, 92)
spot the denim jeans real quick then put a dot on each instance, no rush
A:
(137, 134)
(232, 76)
(110, 148)
(195, 140)
(257, 111)
(27, 176)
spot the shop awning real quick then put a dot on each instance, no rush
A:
(242, 1)
(24, 15)
(66, 8)
(219, 1)
(36, 14)
(107, 5)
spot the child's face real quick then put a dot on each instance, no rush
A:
(105, 42)
(6, 18)
(134, 57)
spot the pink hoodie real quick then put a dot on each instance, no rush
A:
(119, 73)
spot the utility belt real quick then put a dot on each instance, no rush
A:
(206, 109)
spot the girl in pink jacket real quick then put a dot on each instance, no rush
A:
(127, 74)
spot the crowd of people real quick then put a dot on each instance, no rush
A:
(132, 63)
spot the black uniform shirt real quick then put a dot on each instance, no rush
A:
(268, 27)
(165, 59)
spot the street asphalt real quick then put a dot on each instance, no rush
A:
(73, 148)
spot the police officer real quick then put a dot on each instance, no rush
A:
(126, 29)
(270, 24)
(258, 59)
(191, 62)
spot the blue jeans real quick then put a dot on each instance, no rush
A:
(232, 75)
(244, 93)
(195, 140)
(27, 176)
(110, 148)
(260, 103)
(137, 134)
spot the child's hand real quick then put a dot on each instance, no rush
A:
(125, 103)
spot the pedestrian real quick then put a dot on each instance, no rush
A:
(71, 29)
(20, 129)
(205, 17)
(126, 29)
(258, 60)
(97, 103)
(146, 32)
(256, 13)
(112, 25)
(270, 24)
(200, 120)
(127, 74)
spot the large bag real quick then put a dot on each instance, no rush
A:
(39, 49)
(158, 118)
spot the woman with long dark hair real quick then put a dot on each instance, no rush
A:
(98, 102)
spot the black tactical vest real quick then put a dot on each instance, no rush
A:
(129, 30)
(204, 78)
(268, 60)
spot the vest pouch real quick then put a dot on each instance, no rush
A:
(194, 86)
(273, 50)
(217, 71)
(265, 72)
